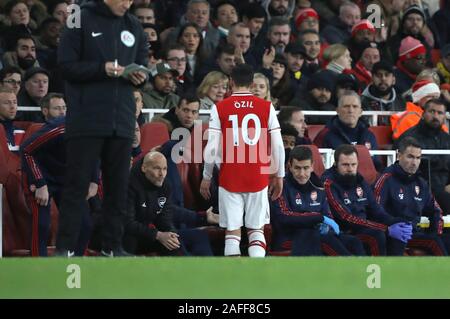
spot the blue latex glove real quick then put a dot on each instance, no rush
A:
(332, 224)
(324, 228)
(401, 231)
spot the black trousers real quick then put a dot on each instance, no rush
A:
(83, 155)
(432, 243)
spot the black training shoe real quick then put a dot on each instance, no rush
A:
(115, 253)
(64, 253)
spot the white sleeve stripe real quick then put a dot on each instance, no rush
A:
(274, 129)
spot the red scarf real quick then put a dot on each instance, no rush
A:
(400, 66)
(363, 75)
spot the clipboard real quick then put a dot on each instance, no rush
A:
(134, 67)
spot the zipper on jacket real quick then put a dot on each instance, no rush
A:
(116, 81)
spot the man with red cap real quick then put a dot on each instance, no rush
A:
(363, 33)
(307, 19)
(411, 61)
(423, 91)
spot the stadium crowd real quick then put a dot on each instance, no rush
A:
(316, 55)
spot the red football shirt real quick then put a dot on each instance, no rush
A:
(245, 122)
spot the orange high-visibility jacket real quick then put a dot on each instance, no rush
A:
(401, 122)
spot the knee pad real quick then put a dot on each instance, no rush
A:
(257, 243)
(232, 245)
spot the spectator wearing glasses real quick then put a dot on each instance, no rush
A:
(175, 55)
(11, 77)
(31, 94)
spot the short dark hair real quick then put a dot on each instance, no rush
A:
(285, 114)
(345, 149)
(278, 21)
(22, 36)
(45, 102)
(300, 153)
(288, 129)
(222, 3)
(11, 4)
(189, 98)
(9, 70)
(46, 23)
(242, 74)
(253, 10)
(172, 46)
(438, 101)
(226, 47)
(406, 142)
(307, 31)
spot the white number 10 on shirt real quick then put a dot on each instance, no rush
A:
(245, 136)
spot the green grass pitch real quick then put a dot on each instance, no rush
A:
(205, 278)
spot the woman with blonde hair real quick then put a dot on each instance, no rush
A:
(261, 87)
(338, 58)
(212, 89)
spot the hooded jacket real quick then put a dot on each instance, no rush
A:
(407, 196)
(289, 11)
(149, 207)
(99, 105)
(370, 102)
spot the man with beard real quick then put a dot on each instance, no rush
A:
(279, 8)
(403, 193)
(354, 207)
(422, 92)
(411, 61)
(363, 33)
(24, 54)
(161, 96)
(430, 135)
(318, 96)
(310, 39)
(278, 36)
(381, 95)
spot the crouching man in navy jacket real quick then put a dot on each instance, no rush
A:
(353, 204)
(403, 193)
(301, 216)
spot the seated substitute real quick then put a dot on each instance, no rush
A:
(353, 204)
(149, 225)
(301, 217)
(403, 193)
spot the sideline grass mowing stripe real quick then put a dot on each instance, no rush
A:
(287, 277)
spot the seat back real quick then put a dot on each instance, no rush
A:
(153, 134)
(313, 130)
(365, 164)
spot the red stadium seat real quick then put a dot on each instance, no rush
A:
(319, 168)
(33, 128)
(23, 125)
(313, 130)
(153, 134)
(365, 164)
(383, 135)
